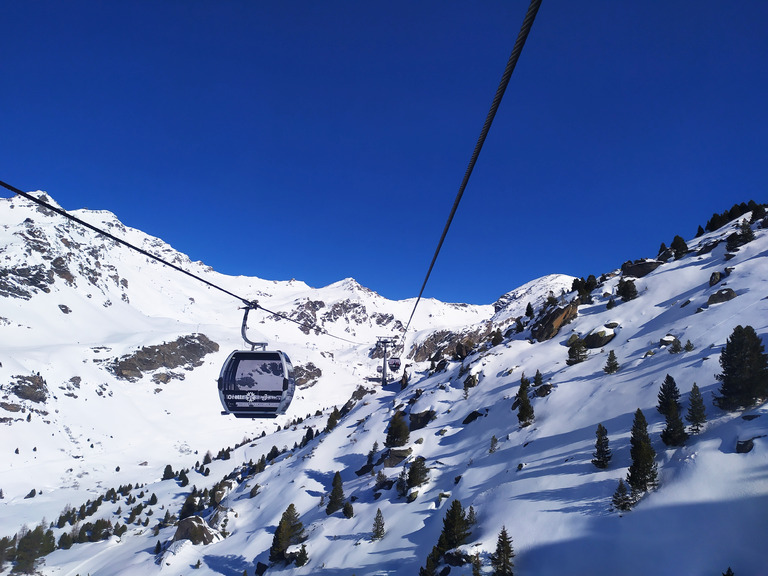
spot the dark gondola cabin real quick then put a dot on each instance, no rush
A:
(394, 364)
(256, 384)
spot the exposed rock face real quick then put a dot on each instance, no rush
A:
(714, 278)
(722, 295)
(419, 420)
(548, 326)
(194, 529)
(32, 388)
(599, 339)
(447, 343)
(639, 268)
(307, 375)
(186, 352)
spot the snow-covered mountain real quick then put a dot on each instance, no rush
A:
(107, 376)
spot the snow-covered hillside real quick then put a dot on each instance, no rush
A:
(73, 304)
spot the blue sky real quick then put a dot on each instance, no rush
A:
(324, 140)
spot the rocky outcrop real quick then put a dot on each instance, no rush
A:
(194, 529)
(419, 420)
(549, 325)
(185, 352)
(32, 388)
(722, 295)
(639, 268)
(307, 375)
(599, 338)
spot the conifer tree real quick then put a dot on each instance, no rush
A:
(697, 414)
(477, 565)
(626, 290)
(455, 528)
(333, 419)
(675, 347)
(674, 433)
(401, 485)
(538, 379)
(577, 352)
(289, 531)
(621, 498)
(643, 472)
(529, 310)
(336, 499)
(728, 572)
(524, 408)
(679, 247)
(348, 509)
(168, 473)
(612, 364)
(417, 473)
(744, 378)
(602, 453)
(378, 526)
(688, 346)
(501, 559)
(158, 547)
(302, 557)
(669, 397)
(398, 432)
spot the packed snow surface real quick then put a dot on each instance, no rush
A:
(96, 301)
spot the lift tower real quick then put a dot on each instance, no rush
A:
(384, 342)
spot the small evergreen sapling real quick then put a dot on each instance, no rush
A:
(612, 364)
(577, 352)
(621, 500)
(602, 453)
(336, 499)
(697, 413)
(524, 408)
(378, 526)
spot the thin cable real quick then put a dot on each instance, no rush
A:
(160, 260)
(511, 63)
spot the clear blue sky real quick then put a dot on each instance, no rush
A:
(322, 140)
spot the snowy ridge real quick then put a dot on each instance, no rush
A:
(708, 513)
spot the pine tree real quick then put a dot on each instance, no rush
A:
(538, 379)
(471, 516)
(744, 378)
(501, 559)
(378, 526)
(289, 531)
(494, 444)
(302, 557)
(577, 352)
(626, 290)
(168, 473)
(643, 472)
(669, 397)
(728, 572)
(697, 414)
(675, 347)
(612, 364)
(336, 499)
(688, 346)
(621, 499)
(348, 510)
(455, 528)
(401, 485)
(477, 565)
(333, 419)
(602, 453)
(674, 433)
(679, 247)
(398, 432)
(524, 408)
(158, 547)
(529, 310)
(417, 473)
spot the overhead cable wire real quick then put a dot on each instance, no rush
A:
(248, 303)
(533, 8)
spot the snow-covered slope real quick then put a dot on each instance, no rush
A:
(95, 431)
